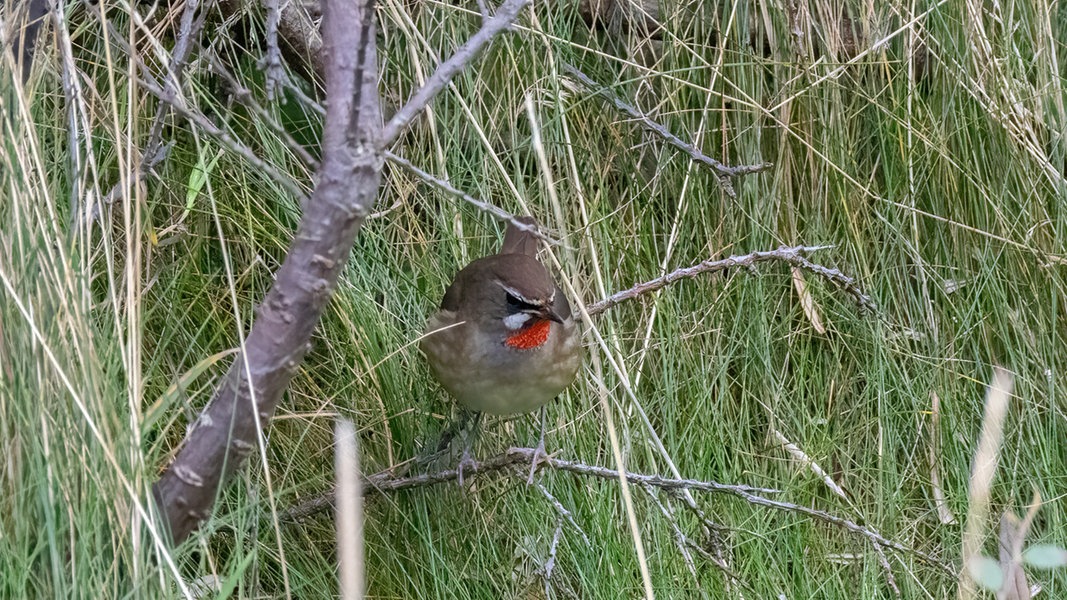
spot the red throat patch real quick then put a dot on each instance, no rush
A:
(530, 337)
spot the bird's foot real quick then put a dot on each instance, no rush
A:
(539, 456)
(465, 462)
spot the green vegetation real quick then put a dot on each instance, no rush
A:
(930, 154)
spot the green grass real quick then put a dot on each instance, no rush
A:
(927, 179)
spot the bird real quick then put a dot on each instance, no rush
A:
(504, 340)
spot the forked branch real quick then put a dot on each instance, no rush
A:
(232, 425)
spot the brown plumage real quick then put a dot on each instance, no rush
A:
(504, 341)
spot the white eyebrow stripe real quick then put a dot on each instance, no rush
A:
(518, 295)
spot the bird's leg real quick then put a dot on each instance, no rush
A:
(466, 460)
(539, 451)
(447, 436)
(454, 427)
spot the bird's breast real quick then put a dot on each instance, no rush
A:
(499, 375)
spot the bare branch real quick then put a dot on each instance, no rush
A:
(298, 32)
(232, 424)
(504, 17)
(171, 100)
(550, 564)
(883, 560)
(793, 255)
(225, 139)
(433, 181)
(451, 190)
(245, 97)
(562, 510)
(271, 61)
(155, 150)
(723, 172)
(680, 539)
(386, 482)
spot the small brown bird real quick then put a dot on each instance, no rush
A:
(504, 340)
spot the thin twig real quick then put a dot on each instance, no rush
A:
(842, 281)
(271, 62)
(711, 529)
(225, 139)
(501, 21)
(793, 255)
(550, 564)
(451, 190)
(245, 97)
(437, 183)
(873, 536)
(188, 30)
(722, 172)
(680, 539)
(155, 150)
(386, 482)
(77, 120)
(564, 513)
(889, 577)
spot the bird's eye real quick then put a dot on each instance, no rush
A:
(514, 302)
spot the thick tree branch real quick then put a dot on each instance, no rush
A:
(231, 426)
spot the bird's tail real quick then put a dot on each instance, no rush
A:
(518, 241)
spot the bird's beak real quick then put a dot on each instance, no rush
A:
(550, 313)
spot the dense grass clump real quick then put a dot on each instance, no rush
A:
(925, 148)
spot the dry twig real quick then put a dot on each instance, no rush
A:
(560, 509)
(501, 21)
(227, 140)
(155, 150)
(550, 564)
(386, 482)
(722, 172)
(271, 61)
(448, 188)
(793, 255)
